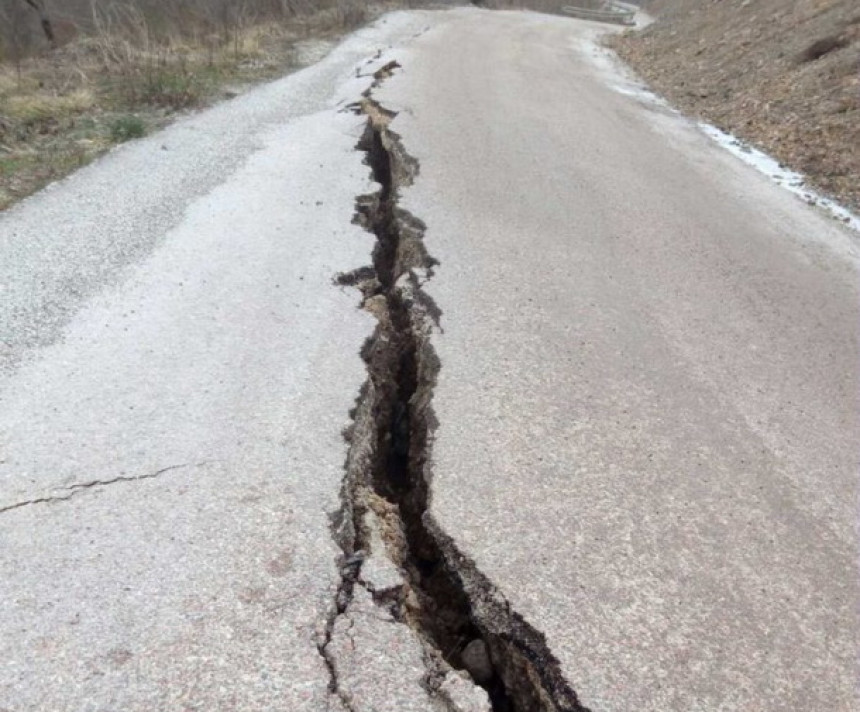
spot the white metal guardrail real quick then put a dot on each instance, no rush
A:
(615, 12)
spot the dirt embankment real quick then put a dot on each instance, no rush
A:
(781, 74)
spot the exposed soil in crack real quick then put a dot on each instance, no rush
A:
(462, 620)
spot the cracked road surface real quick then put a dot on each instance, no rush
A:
(647, 400)
(599, 402)
(170, 328)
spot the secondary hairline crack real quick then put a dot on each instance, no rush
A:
(81, 487)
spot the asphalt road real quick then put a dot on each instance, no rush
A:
(647, 400)
(171, 330)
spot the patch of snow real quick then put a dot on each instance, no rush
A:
(617, 74)
(622, 79)
(782, 176)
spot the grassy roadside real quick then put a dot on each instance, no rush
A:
(63, 108)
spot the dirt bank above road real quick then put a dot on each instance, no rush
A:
(781, 74)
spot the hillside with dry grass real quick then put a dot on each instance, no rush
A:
(114, 70)
(781, 74)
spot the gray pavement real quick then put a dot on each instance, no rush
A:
(178, 371)
(647, 400)
(648, 410)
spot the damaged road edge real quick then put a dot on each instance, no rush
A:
(461, 619)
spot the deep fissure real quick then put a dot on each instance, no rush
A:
(453, 607)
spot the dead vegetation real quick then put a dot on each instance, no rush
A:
(80, 76)
(111, 70)
(781, 74)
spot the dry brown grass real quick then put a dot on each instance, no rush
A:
(60, 109)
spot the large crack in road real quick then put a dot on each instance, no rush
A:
(462, 620)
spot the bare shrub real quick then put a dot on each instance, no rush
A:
(17, 38)
(117, 65)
